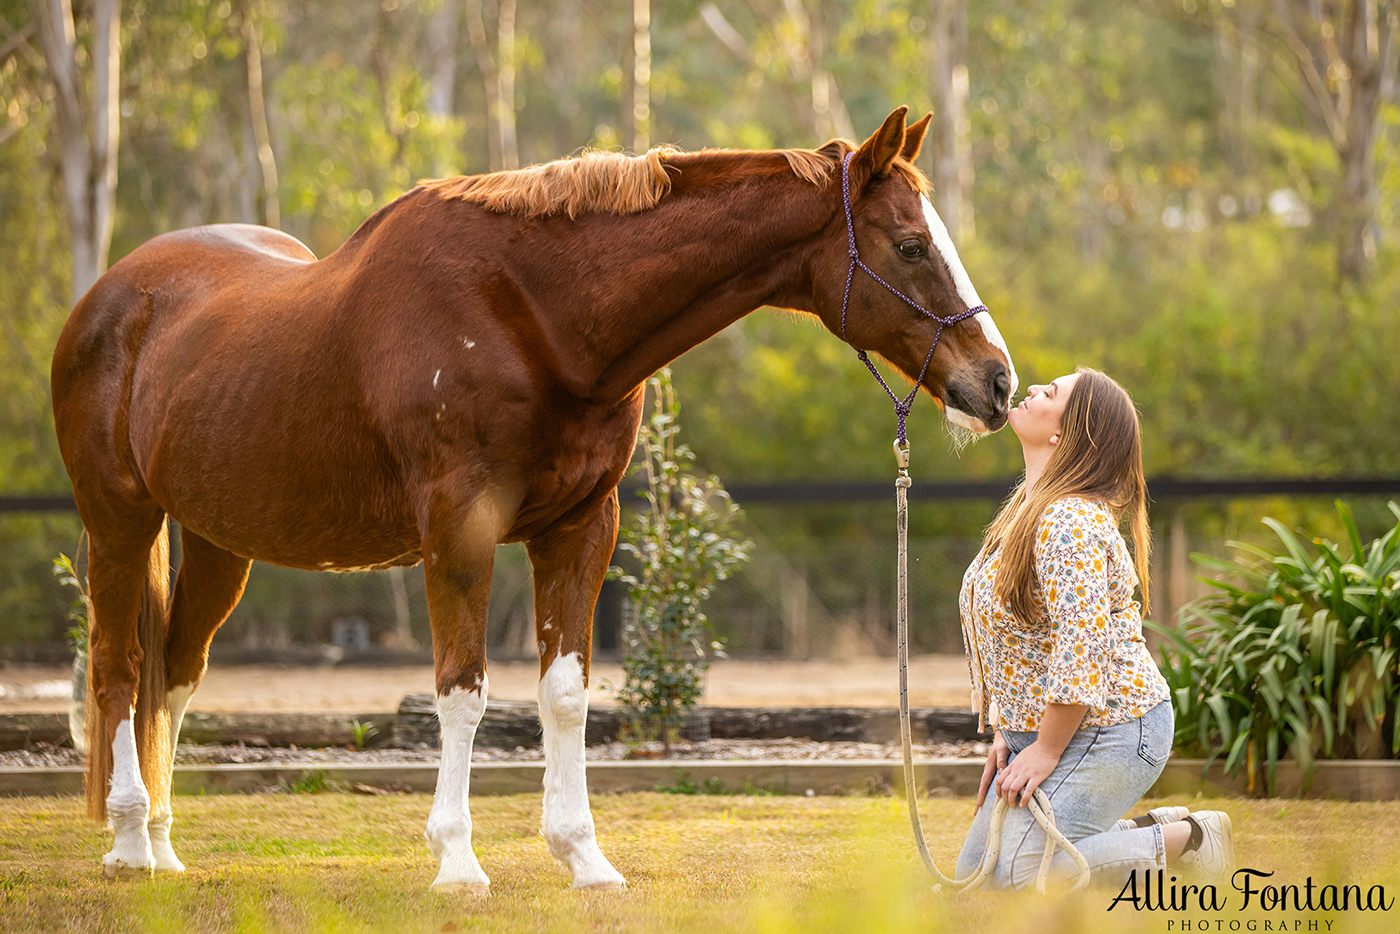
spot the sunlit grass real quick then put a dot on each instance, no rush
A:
(335, 862)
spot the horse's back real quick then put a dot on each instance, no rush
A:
(174, 266)
(148, 324)
(165, 278)
(242, 242)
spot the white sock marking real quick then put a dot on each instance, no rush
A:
(567, 824)
(128, 807)
(177, 699)
(449, 831)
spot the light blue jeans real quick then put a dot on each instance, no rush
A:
(1101, 774)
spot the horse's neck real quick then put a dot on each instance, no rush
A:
(708, 260)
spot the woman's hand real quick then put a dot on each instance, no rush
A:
(996, 761)
(1031, 767)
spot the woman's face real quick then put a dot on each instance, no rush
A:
(1036, 420)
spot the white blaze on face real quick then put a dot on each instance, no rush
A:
(944, 244)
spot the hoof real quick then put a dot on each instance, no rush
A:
(596, 875)
(170, 870)
(618, 885)
(470, 889)
(167, 861)
(121, 872)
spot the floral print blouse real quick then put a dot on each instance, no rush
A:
(1083, 644)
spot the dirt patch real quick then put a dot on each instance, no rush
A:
(934, 681)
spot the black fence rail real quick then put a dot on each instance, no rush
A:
(861, 491)
(815, 587)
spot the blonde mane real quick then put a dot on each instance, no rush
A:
(598, 182)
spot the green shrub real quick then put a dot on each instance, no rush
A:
(1298, 657)
(362, 733)
(311, 782)
(683, 540)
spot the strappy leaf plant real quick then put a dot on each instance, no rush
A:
(685, 543)
(1297, 656)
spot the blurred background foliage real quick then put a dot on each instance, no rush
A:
(1201, 197)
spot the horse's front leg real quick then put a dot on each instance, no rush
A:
(458, 554)
(570, 564)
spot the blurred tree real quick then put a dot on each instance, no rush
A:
(257, 114)
(86, 85)
(1154, 186)
(1345, 51)
(641, 75)
(496, 61)
(949, 144)
(441, 65)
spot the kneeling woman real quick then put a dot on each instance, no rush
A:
(1058, 662)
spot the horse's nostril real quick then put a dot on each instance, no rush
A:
(1001, 390)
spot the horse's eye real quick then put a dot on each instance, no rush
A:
(911, 249)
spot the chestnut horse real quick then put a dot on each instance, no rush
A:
(467, 370)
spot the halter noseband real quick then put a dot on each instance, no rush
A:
(901, 406)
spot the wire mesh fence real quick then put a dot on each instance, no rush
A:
(809, 598)
(815, 588)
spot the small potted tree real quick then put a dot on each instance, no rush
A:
(684, 542)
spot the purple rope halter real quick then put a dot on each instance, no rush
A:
(901, 406)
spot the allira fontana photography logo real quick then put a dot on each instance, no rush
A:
(1277, 905)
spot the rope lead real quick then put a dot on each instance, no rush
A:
(1039, 803)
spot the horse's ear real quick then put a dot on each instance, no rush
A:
(877, 154)
(914, 138)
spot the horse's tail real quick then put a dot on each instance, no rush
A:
(152, 717)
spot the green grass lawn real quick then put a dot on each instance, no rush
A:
(338, 862)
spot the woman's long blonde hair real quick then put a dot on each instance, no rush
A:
(1098, 457)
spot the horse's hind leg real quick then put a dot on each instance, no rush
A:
(127, 578)
(207, 588)
(570, 564)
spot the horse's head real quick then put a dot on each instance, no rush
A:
(901, 239)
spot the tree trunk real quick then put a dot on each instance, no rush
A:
(257, 115)
(1344, 52)
(951, 149)
(1236, 37)
(403, 630)
(563, 76)
(441, 67)
(1368, 53)
(505, 85)
(641, 75)
(88, 129)
(496, 61)
(807, 52)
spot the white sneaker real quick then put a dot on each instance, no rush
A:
(1158, 815)
(1215, 857)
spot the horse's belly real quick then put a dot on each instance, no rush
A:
(295, 539)
(283, 488)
